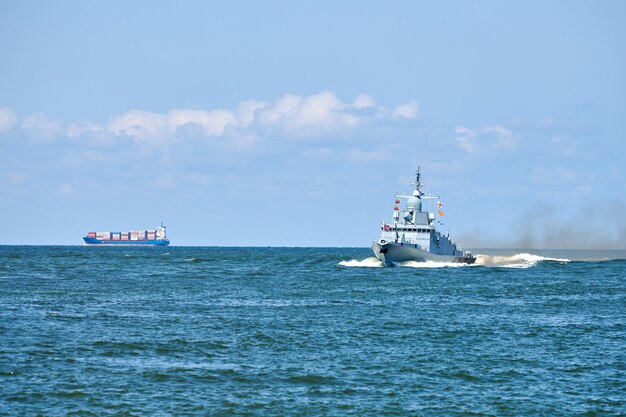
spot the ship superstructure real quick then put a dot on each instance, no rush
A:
(413, 236)
(155, 237)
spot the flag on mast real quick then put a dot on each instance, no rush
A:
(440, 213)
(439, 204)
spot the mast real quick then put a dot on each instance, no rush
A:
(418, 184)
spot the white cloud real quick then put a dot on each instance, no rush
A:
(363, 101)
(320, 112)
(81, 127)
(503, 138)
(41, 128)
(140, 125)
(485, 138)
(315, 115)
(8, 119)
(146, 126)
(407, 111)
(285, 107)
(213, 123)
(466, 138)
(247, 112)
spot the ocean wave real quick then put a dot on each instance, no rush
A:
(197, 260)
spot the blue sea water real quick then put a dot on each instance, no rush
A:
(300, 332)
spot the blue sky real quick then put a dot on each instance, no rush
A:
(292, 124)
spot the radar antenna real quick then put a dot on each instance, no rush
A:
(418, 189)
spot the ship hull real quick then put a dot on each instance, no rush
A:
(99, 242)
(391, 253)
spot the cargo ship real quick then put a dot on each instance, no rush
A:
(156, 237)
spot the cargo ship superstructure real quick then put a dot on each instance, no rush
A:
(413, 235)
(155, 237)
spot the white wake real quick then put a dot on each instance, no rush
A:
(519, 260)
(372, 262)
(431, 264)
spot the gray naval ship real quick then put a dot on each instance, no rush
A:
(413, 235)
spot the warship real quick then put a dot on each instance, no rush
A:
(413, 235)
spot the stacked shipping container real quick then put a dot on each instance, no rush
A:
(155, 237)
(134, 235)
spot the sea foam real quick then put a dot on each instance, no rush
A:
(371, 262)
